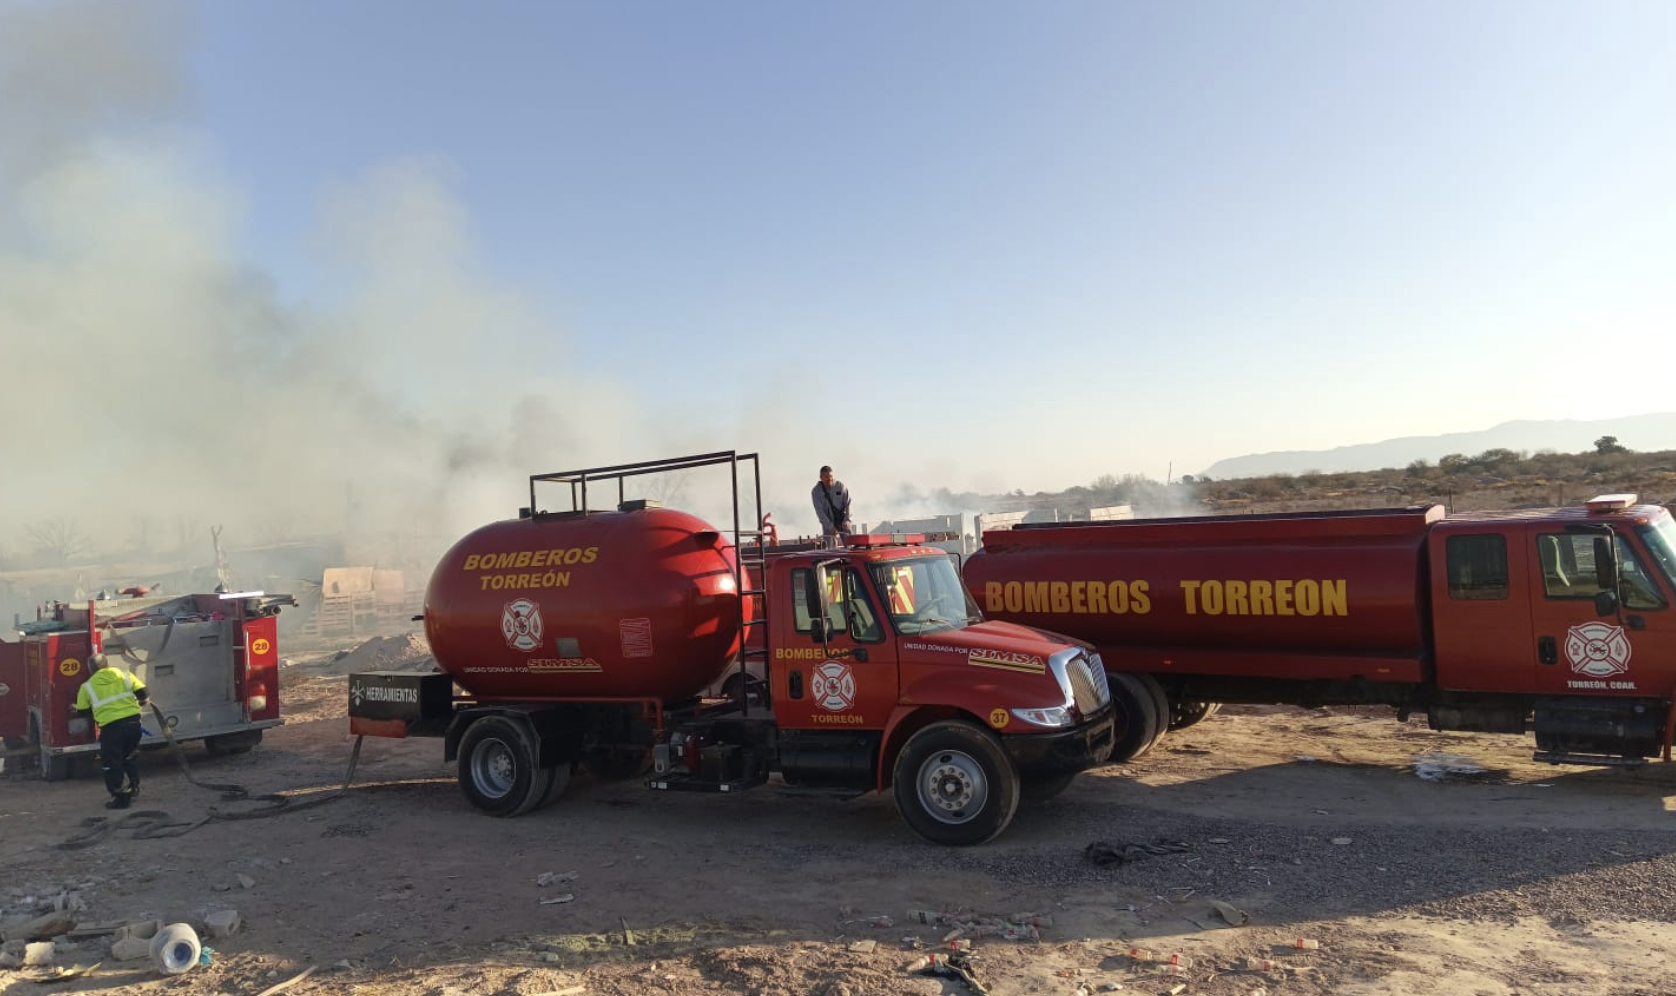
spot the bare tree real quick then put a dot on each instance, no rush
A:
(58, 541)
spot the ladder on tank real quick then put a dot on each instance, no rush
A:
(750, 546)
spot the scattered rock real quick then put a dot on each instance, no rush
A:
(38, 953)
(246, 881)
(221, 923)
(130, 948)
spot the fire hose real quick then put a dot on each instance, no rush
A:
(148, 823)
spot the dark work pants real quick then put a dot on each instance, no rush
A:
(119, 750)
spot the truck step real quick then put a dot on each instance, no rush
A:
(819, 792)
(699, 785)
(1593, 760)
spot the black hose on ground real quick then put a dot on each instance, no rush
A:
(148, 823)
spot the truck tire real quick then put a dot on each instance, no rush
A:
(498, 770)
(1137, 719)
(557, 779)
(618, 765)
(1043, 789)
(242, 742)
(954, 784)
(57, 767)
(1185, 714)
(1160, 702)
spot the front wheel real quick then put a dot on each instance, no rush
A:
(954, 784)
(498, 770)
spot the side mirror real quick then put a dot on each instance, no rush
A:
(1606, 563)
(819, 628)
(1606, 603)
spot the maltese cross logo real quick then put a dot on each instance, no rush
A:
(520, 623)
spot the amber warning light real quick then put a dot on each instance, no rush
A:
(887, 539)
(1610, 503)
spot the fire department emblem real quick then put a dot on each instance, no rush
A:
(833, 686)
(1597, 650)
(260, 646)
(520, 623)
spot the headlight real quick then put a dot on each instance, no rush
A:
(1055, 717)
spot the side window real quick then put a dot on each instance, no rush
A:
(1635, 582)
(1477, 566)
(862, 620)
(800, 599)
(1571, 563)
(849, 608)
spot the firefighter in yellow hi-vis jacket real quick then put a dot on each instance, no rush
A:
(112, 698)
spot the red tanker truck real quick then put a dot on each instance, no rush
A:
(1558, 621)
(584, 638)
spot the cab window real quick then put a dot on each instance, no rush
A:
(849, 609)
(1571, 564)
(1477, 566)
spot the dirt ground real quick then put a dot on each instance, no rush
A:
(1488, 876)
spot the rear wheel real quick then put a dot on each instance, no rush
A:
(955, 785)
(1185, 714)
(1137, 719)
(555, 780)
(1160, 703)
(498, 770)
(242, 742)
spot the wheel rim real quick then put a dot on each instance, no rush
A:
(493, 768)
(952, 786)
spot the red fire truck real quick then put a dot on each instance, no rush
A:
(1558, 621)
(211, 663)
(584, 637)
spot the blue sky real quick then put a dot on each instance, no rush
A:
(981, 246)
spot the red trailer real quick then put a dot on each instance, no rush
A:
(1558, 621)
(210, 661)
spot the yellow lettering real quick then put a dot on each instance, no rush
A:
(1333, 602)
(1236, 599)
(1210, 597)
(1308, 597)
(1079, 597)
(1035, 596)
(993, 600)
(1061, 593)
(589, 554)
(1190, 592)
(1139, 601)
(1262, 598)
(1283, 598)
(1097, 597)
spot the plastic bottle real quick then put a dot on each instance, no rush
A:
(1179, 959)
(1306, 944)
(1261, 965)
(1169, 969)
(1140, 954)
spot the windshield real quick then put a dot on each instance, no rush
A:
(1660, 537)
(924, 595)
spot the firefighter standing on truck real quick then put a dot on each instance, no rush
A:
(112, 698)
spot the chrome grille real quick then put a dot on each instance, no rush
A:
(1088, 686)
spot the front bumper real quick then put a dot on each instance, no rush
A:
(1062, 752)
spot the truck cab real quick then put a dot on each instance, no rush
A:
(884, 674)
(1563, 620)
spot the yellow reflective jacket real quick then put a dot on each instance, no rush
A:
(109, 694)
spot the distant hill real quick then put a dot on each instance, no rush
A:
(1642, 433)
